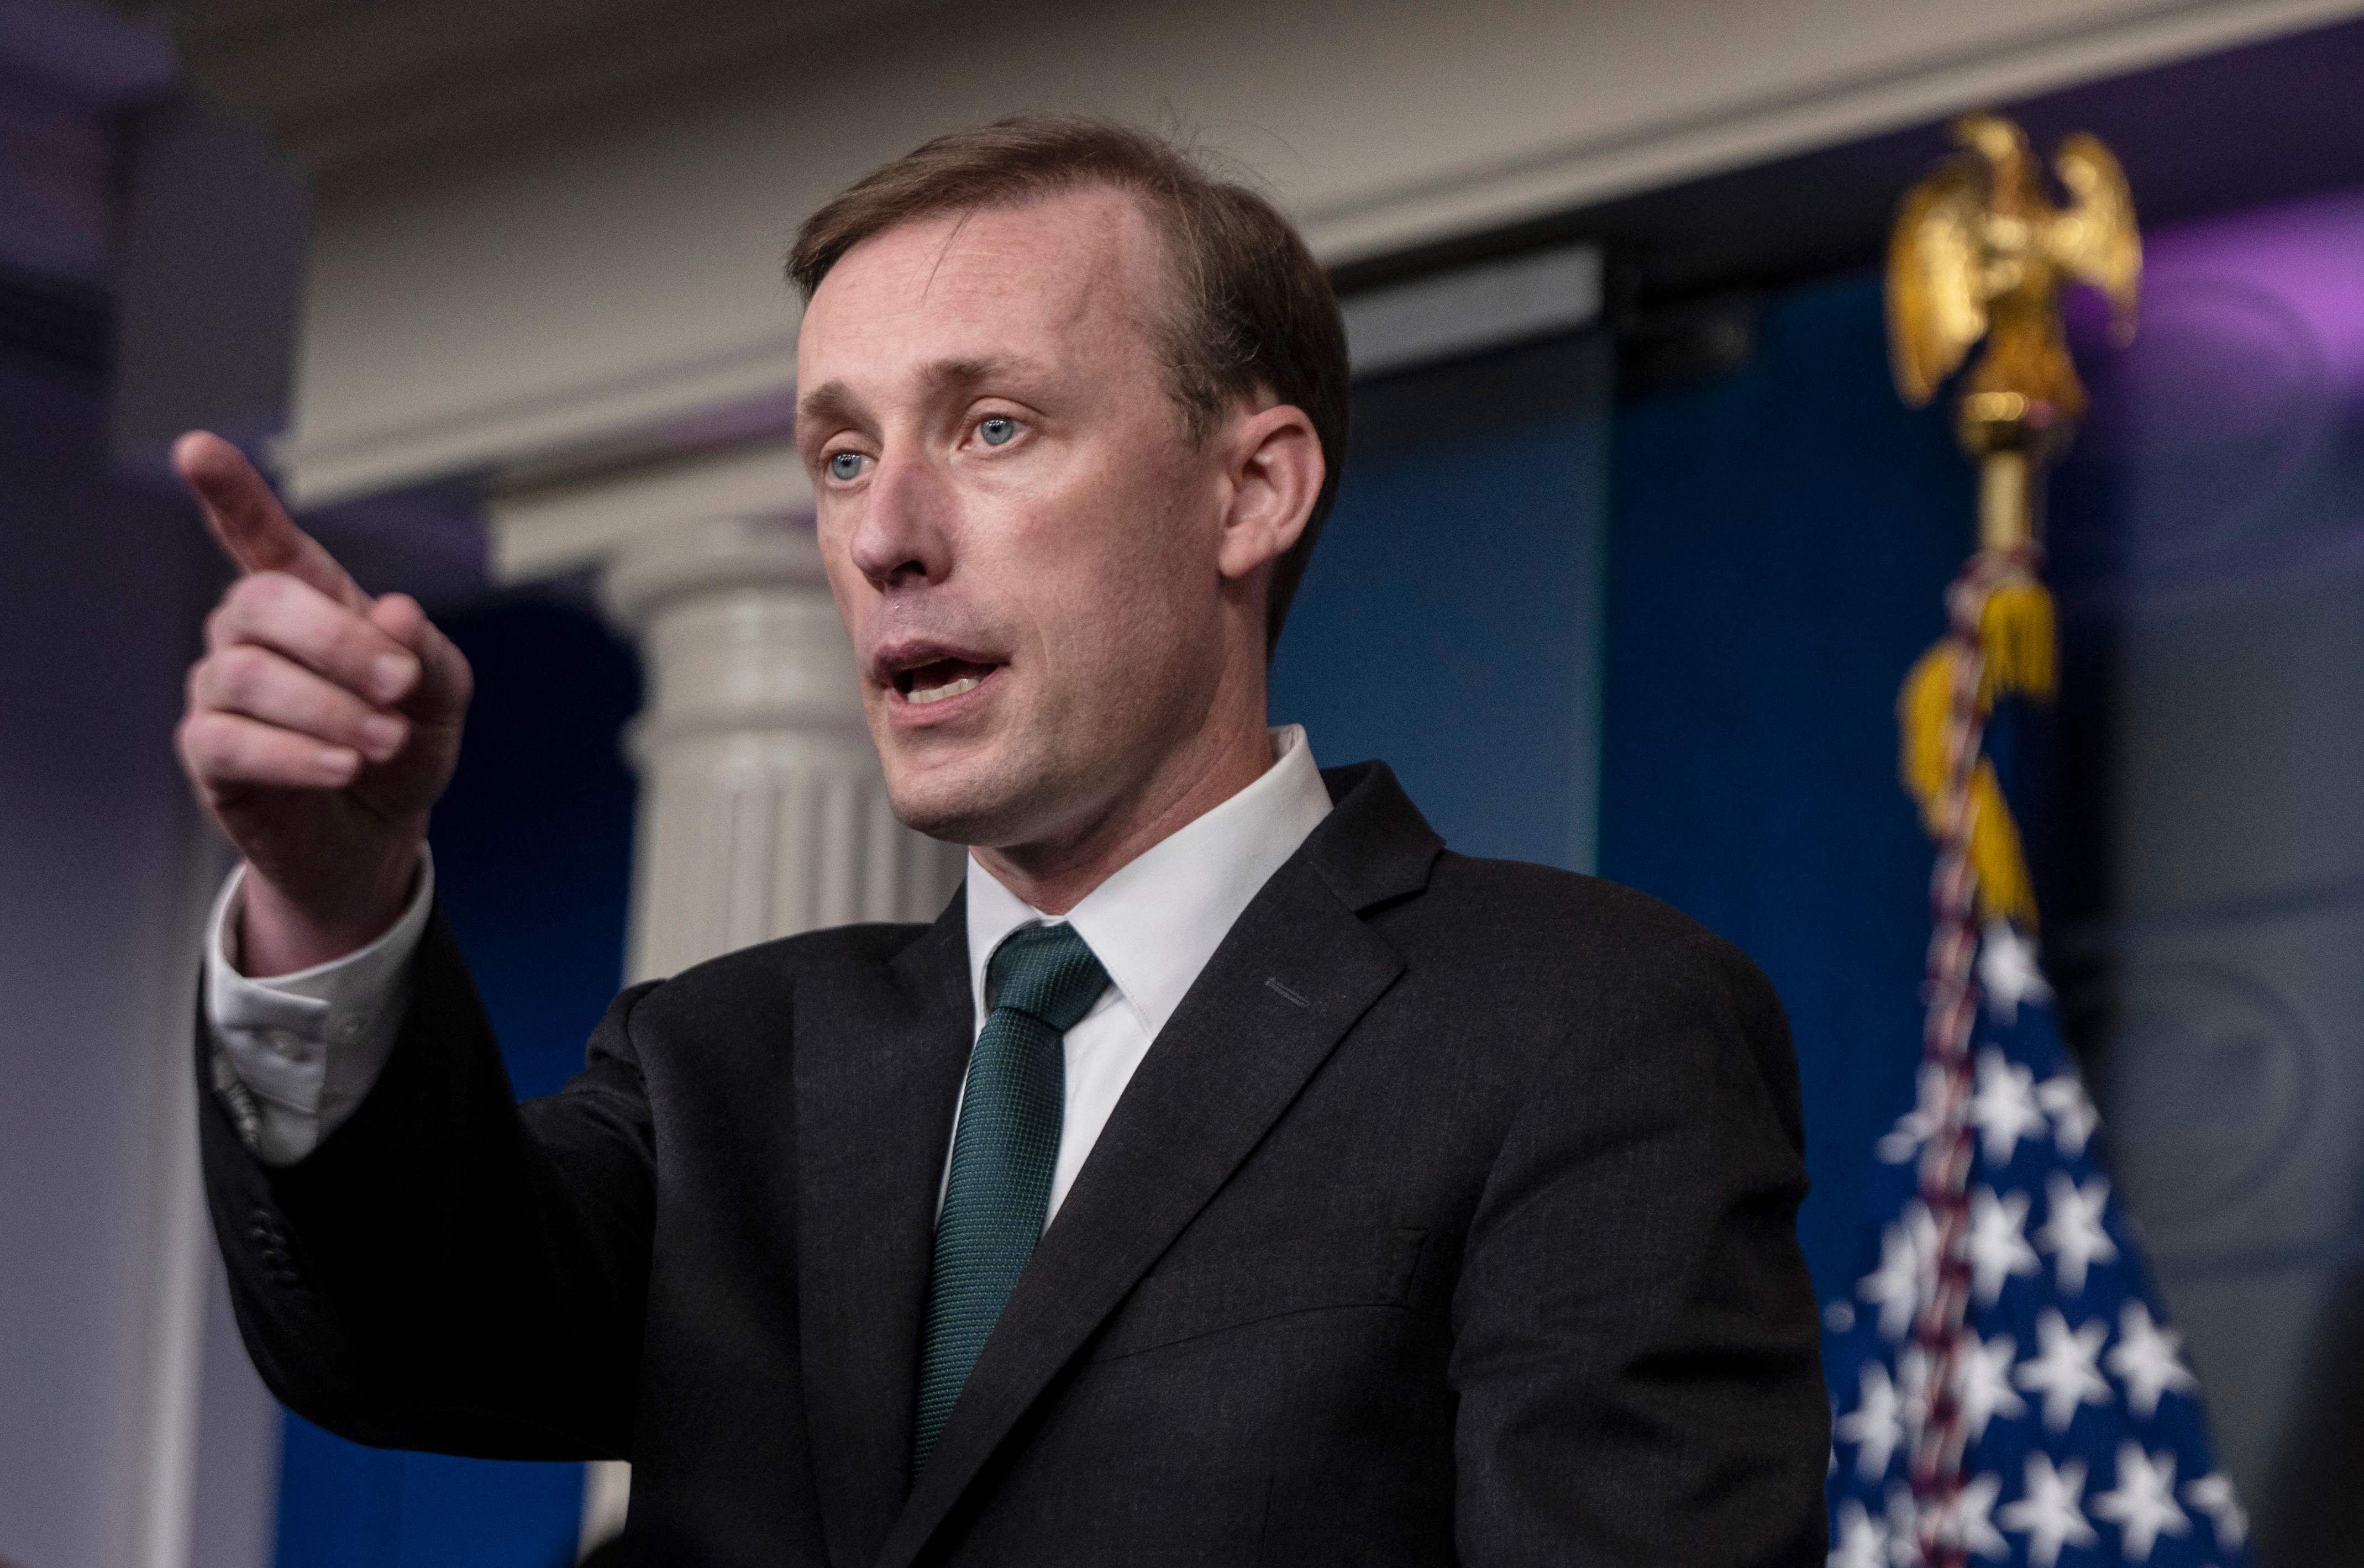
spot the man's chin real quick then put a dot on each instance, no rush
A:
(966, 806)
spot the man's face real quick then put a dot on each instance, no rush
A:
(1017, 532)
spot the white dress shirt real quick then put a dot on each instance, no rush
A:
(1153, 926)
(305, 1047)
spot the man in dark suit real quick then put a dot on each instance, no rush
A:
(1231, 1174)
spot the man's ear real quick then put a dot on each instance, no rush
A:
(1277, 471)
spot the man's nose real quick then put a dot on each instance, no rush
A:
(904, 537)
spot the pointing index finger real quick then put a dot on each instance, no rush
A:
(250, 525)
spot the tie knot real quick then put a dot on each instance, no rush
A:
(1048, 972)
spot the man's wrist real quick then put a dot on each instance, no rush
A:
(280, 935)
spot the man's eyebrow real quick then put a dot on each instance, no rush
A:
(967, 374)
(832, 405)
(829, 404)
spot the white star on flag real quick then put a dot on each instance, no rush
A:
(1895, 1286)
(2064, 1098)
(1862, 1543)
(1913, 1128)
(2072, 1230)
(2145, 1359)
(1997, 1246)
(1983, 1380)
(2143, 1506)
(2062, 1369)
(2008, 972)
(2005, 1109)
(1876, 1426)
(2048, 1515)
(1969, 1524)
(2212, 1494)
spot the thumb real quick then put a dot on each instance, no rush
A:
(252, 527)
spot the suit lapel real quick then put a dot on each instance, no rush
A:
(1292, 977)
(878, 1063)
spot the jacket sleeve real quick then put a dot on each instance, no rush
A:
(1636, 1348)
(450, 1269)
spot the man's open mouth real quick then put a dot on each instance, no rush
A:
(939, 679)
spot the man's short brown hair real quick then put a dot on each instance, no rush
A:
(1254, 313)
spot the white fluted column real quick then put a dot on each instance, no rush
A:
(762, 812)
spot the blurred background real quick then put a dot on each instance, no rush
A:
(1635, 543)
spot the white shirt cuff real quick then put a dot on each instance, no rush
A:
(307, 1046)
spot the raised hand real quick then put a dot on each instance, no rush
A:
(321, 724)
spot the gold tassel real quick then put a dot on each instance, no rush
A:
(2016, 635)
(2016, 644)
(2005, 890)
(1923, 708)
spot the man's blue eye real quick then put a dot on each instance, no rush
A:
(846, 465)
(997, 431)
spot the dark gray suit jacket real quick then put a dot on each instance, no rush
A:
(1450, 1219)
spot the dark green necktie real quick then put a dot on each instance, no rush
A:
(1041, 980)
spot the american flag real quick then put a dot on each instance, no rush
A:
(2004, 1385)
(2085, 1442)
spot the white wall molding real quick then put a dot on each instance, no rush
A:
(546, 530)
(657, 407)
(1692, 139)
(1471, 309)
(593, 282)
(409, 76)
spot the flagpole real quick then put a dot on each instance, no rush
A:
(1978, 256)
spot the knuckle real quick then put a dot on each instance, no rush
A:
(249, 594)
(272, 596)
(240, 673)
(247, 609)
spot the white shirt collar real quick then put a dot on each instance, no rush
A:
(1156, 922)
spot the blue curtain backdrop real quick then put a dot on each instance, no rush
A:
(1779, 540)
(1450, 624)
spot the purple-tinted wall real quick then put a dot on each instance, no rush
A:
(2208, 542)
(101, 588)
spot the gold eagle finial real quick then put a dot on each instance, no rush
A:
(1980, 250)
